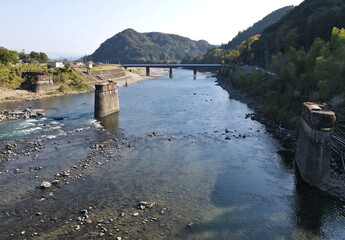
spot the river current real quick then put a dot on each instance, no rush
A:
(181, 144)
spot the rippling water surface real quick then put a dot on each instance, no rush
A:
(213, 173)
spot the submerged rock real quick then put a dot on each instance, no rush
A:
(144, 205)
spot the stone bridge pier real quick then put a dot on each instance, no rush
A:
(106, 99)
(313, 155)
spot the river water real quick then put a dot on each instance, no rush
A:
(212, 173)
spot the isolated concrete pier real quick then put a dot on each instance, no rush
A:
(313, 155)
(42, 81)
(171, 73)
(106, 99)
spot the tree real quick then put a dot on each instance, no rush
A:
(34, 56)
(43, 58)
(8, 56)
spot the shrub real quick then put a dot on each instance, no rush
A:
(63, 88)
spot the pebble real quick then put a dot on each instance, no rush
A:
(56, 182)
(83, 211)
(190, 225)
(135, 214)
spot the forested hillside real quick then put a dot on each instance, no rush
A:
(300, 27)
(306, 50)
(130, 46)
(257, 28)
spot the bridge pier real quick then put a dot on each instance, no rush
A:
(194, 74)
(106, 99)
(147, 71)
(313, 154)
(171, 73)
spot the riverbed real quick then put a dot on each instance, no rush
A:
(181, 145)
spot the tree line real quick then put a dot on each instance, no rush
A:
(13, 57)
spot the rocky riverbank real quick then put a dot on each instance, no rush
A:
(27, 113)
(287, 137)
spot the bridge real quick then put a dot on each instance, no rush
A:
(171, 66)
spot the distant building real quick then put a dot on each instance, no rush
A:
(56, 64)
(78, 63)
(89, 64)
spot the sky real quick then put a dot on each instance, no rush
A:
(78, 27)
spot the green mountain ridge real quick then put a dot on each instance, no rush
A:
(130, 46)
(257, 27)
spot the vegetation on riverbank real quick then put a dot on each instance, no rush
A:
(13, 74)
(314, 75)
(14, 77)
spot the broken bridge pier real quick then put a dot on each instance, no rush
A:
(106, 99)
(313, 154)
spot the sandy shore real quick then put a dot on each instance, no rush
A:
(9, 95)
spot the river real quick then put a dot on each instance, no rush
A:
(179, 143)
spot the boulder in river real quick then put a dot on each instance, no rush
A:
(45, 185)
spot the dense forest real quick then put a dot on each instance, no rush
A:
(257, 28)
(314, 75)
(130, 46)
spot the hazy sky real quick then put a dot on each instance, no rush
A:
(80, 26)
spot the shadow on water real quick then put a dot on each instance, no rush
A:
(244, 215)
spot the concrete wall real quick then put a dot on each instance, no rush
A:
(313, 155)
(106, 99)
(43, 83)
(105, 75)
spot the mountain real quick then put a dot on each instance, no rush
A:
(257, 28)
(130, 46)
(300, 27)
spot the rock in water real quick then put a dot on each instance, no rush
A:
(45, 185)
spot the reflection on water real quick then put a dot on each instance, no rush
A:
(213, 173)
(313, 209)
(110, 122)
